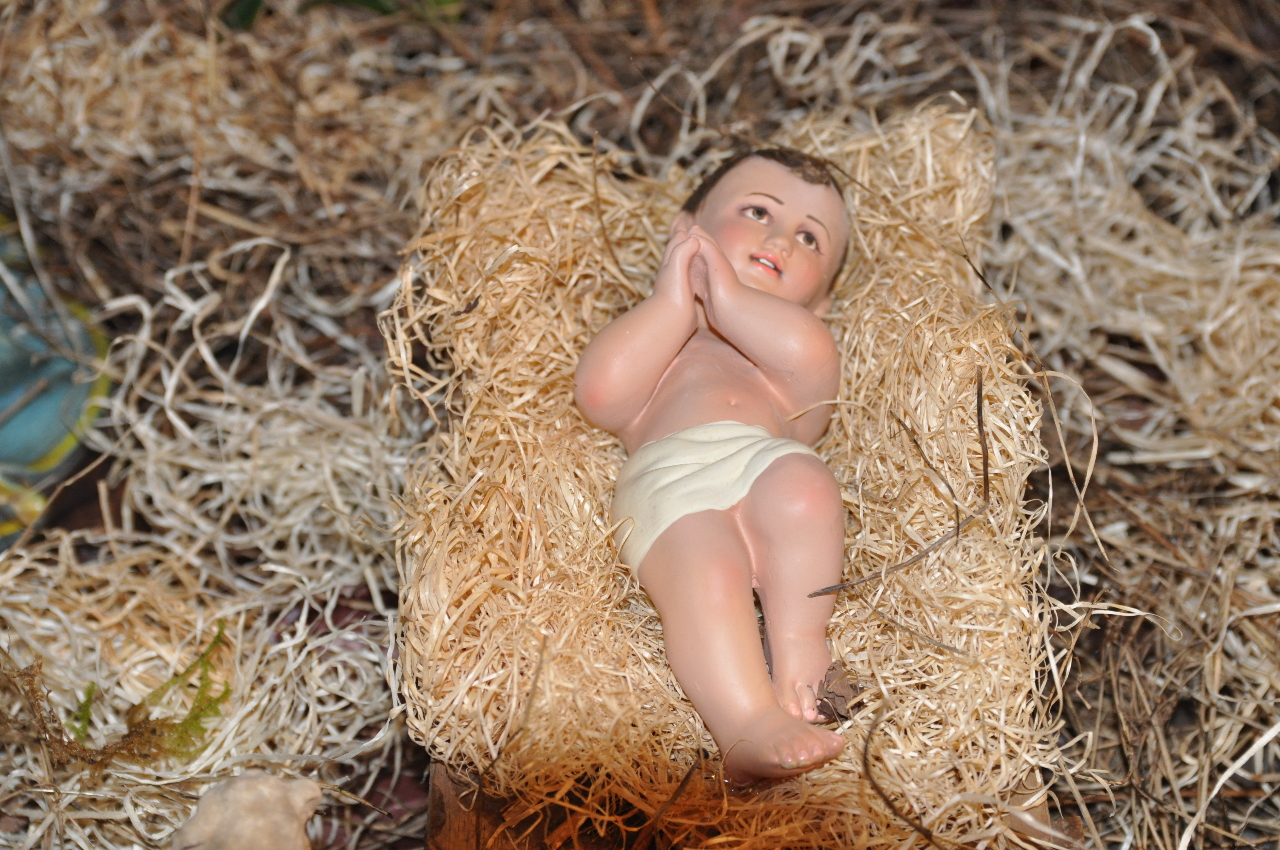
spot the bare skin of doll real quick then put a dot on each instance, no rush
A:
(732, 332)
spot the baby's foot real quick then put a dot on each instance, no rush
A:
(799, 699)
(799, 668)
(778, 745)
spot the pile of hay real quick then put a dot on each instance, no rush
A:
(1141, 227)
(531, 658)
(230, 207)
(249, 193)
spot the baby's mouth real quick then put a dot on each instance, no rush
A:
(768, 263)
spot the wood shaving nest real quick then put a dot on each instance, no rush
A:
(1135, 214)
(529, 656)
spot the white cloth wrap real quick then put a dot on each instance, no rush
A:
(706, 467)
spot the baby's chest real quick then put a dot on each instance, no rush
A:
(717, 369)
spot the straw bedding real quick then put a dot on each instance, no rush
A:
(248, 456)
(1142, 231)
(1133, 232)
(530, 655)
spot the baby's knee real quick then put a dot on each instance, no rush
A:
(800, 488)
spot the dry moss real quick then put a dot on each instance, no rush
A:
(148, 738)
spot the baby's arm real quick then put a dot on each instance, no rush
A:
(620, 368)
(786, 341)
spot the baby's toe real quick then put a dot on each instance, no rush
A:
(807, 701)
(790, 702)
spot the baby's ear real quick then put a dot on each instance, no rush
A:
(682, 221)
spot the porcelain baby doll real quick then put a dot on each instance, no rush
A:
(718, 384)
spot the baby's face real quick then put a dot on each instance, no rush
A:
(782, 234)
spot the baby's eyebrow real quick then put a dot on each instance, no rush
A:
(820, 224)
(783, 203)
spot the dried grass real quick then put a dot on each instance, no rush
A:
(529, 655)
(1134, 218)
(231, 207)
(1141, 228)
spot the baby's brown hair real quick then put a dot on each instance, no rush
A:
(810, 169)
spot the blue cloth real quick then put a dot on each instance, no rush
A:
(40, 393)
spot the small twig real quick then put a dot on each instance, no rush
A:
(955, 502)
(986, 451)
(66, 483)
(955, 532)
(913, 560)
(915, 634)
(12, 284)
(22, 400)
(919, 827)
(645, 838)
(343, 792)
(1042, 376)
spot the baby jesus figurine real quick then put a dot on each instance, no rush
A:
(718, 384)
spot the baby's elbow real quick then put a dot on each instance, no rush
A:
(603, 407)
(593, 400)
(585, 394)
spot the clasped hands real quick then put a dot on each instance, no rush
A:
(694, 268)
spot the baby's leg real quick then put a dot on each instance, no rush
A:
(793, 520)
(698, 574)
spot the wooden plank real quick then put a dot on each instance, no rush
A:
(459, 818)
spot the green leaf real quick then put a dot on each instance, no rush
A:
(240, 14)
(79, 722)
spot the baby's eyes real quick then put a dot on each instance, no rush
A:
(760, 214)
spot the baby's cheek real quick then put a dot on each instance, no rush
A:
(729, 234)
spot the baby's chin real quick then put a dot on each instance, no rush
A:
(809, 301)
(757, 277)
